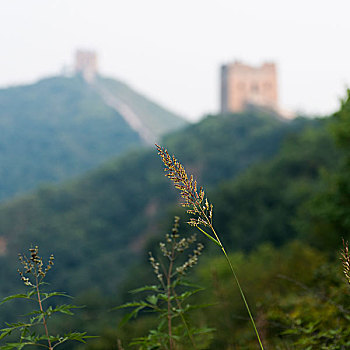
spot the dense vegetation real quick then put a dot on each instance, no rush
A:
(298, 201)
(266, 179)
(110, 213)
(60, 127)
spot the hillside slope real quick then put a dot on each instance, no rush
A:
(149, 119)
(58, 128)
(97, 225)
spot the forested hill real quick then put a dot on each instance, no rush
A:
(96, 226)
(61, 127)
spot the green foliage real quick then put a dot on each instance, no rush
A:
(53, 130)
(293, 282)
(61, 127)
(34, 331)
(326, 215)
(319, 317)
(263, 192)
(171, 298)
(273, 193)
(221, 147)
(312, 336)
(112, 212)
(201, 212)
(109, 212)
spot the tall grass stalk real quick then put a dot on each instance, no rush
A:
(198, 206)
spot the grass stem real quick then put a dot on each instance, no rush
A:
(239, 285)
(202, 211)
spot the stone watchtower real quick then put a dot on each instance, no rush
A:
(243, 85)
(86, 64)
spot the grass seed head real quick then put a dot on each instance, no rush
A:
(34, 266)
(345, 258)
(193, 198)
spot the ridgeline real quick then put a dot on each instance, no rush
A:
(61, 127)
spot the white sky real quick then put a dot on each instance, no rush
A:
(172, 50)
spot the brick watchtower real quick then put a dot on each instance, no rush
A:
(86, 64)
(243, 85)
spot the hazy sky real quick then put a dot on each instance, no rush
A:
(172, 50)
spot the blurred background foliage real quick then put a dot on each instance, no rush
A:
(281, 206)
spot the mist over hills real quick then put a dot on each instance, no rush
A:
(61, 127)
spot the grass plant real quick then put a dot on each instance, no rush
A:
(198, 206)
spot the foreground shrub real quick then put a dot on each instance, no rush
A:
(35, 331)
(171, 298)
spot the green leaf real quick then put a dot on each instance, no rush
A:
(10, 346)
(152, 299)
(46, 296)
(187, 294)
(34, 312)
(65, 309)
(17, 346)
(131, 304)
(188, 284)
(79, 336)
(11, 327)
(197, 306)
(128, 316)
(16, 296)
(209, 236)
(162, 296)
(6, 332)
(145, 288)
(204, 330)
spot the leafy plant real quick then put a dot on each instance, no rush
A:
(202, 211)
(30, 331)
(318, 319)
(170, 297)
(312, 336)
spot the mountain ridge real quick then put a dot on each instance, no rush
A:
(60, 127)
